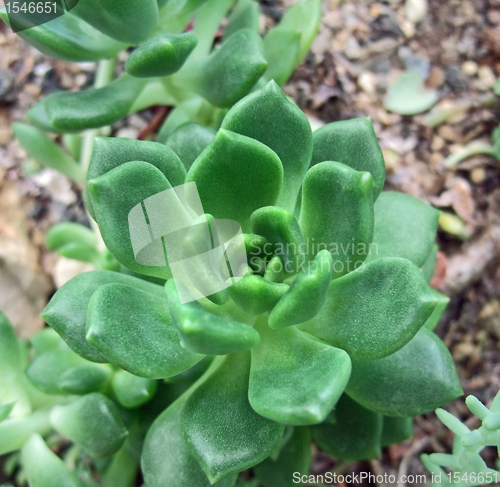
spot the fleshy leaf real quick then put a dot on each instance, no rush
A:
(282, 127)
(217, 419)
(281, 62)
(123, 20)
(396, 303)
(294, 457)
(429, 266)
(5, 410)
(114, 195)
(398, 219)
(396, 430)
(246, 15)
(294, 378)
(337, 214)
(255, 295)
(94, 107)
(132, 391)
(66, 312)
(203, 332)
(415, 380)
(166, 459)
(307, 294)
(355, 435)
(74, 241)
(354, 143)
(235, 175)
(111, 152)
(232, 70)
(132, 328)
(47, 152)
(442, 303)
(43, 468)
(93, 422)
(84, 378)
(70, 39)
(407, 95)
(162, 55)
(186, 111)
(37, 115)
(189, 140)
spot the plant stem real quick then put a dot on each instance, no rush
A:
(474, 148)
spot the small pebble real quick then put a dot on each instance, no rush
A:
(436, 78)
(32, 89)
(353, 49)
(416, 10)
(367, 81)
(447, 133)
(469, 68)
(493, 16)
(408, 28)
(437, 143)
(5, 135)
(127, 133)
(487, 76)
(478, 175)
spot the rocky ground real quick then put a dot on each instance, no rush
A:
(362, 47)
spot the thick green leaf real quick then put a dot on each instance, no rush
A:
(442, 303)
(123, 20)
(37, 115)
(189, 140)
(235, 175)
(70, 39)
(396, 430)
(45, 340)
(281, 50)
(186, 111)
(399, 219)
(74, 241)
(413, 381)
(217, 420)
(93, 422)
(337, 214)
(5, 410)
(282, 230)
(355, 435)
(354, 143)
(246, 15)
(203, 332)
(122, 470)
(111, 152)
(66, 312)
(294, 378)
(275, 270)
(132, 328)
(429, 265)
(94, 107)
(269, 117)
(132, 391)
(232, 70)
(303, 17)
(114, 195)
(307, 294)
(84, 378)
(43, 468)
(255, 295)
(162, 55)
(396, 302)
(294, 457)
(166, 459)
(47, 152)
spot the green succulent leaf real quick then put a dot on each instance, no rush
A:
(186, 111)
(275, 271)
(256, 295)
(203, 332)
(303, 17)
(122, 20)
(70, 39)
(307, 294)
(47, 152)
(294, 457)
(281, 62)
(399, 218)
(415, 380)
(396, 430)
(5, 410)
(246, 15)
(296, 379)
(45, 340)
(355, 435)
(429, 265)
(37, 115)
(396, 302)
(132, 328)
(74, 241)
(94, 107)
(162, 55)
(166, 459)
(111, 152)
(114, 195)
(217, 418)
(132, 391)
(235, 175)
(66, 312)
(43, 468)
(189, 140)
(93, 422)
(84, 378)
(269, 117)
(354, 143)
(231, 71)
(442, 303)
(337, 214)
